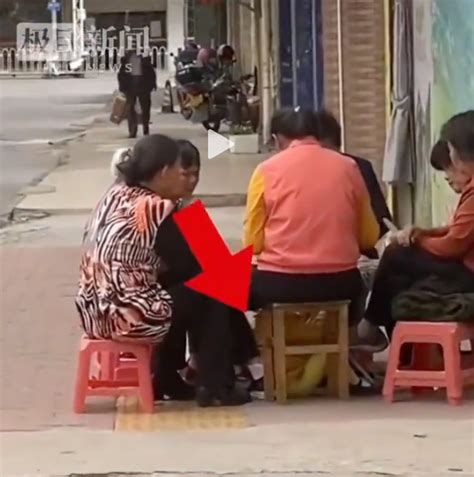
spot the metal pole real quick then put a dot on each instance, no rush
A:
(74, 29)
(54, 27)
(81, 27)
(265, 74)
(295, 62)
(185, 22)
(340, 58)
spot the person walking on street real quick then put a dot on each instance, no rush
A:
(137, 79)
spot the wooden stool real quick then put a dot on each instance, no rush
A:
(271, 336)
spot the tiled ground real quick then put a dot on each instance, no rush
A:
(38, 341)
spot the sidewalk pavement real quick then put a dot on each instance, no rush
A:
(79, 184)
(38, 344)
(41, 435)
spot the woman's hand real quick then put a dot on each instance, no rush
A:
(407, 236)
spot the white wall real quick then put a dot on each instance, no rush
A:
(175, 24)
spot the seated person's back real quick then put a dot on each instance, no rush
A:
(314, 199)
(309, 211)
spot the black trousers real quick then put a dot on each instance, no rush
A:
(399, 269)
(144, 99)
(218, 334)
(272, 287)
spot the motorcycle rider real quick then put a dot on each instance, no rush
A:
(226, 60)
(188, 55)
(207, 60)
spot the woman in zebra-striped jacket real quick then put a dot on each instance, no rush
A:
(120, 296)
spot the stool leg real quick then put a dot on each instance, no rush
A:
(267, 355)
(279, 356)
(343, 357)
(145, 388)
(82, 380)
(452, 370)
(422, 360)
(108, 362)
(332, 371)
(392, 367)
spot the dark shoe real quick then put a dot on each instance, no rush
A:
(234, 397)
(368, 383)
(189, 375)
(370, 339)
(146, 130)
(256, 389)
(171, 387)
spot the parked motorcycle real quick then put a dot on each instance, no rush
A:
(208, 100)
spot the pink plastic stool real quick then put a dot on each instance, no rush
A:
(422, 372)
(110, 366)
(114, 377)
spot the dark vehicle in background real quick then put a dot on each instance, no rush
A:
(208, 94)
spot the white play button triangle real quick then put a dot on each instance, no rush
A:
(217, 144)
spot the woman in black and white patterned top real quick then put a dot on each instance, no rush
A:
(120, 296)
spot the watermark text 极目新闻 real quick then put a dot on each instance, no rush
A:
(37, 40)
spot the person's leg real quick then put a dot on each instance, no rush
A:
(245, 346)
(271, 287)
(168, 359)
(132, 115)
(172, 248)
(208, 324)
(399, 268)
(145, 105)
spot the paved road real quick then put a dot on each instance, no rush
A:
(33, 111)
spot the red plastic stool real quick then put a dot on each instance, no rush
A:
(111, 379)
(423, 373)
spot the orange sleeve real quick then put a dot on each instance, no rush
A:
(458, 238)
(255, 213)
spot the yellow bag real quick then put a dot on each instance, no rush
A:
(306, 376)
(304, 373)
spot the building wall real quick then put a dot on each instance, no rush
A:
(453, 86)
(109, 6)
(210, 25)
(363, 74)
(364, 70)
(175, 24)
(330, 55)
(241, 36)
(27, 11)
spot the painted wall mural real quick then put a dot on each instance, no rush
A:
(423, 82)
(453, 80)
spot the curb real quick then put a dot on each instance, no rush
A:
(8, 218)
(210, 201)
(65, 140)
(90, 121)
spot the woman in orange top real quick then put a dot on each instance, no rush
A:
(308, 216)
(446, 252)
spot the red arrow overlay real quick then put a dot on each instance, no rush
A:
(225, 277)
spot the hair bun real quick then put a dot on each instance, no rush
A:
(119, 159)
